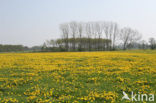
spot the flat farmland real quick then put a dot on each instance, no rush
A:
(76, 77)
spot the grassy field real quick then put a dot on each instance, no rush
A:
(76, 77)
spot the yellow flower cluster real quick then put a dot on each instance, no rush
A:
(8, 100)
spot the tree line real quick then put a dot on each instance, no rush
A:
(89, 36)
(19, 48)
(80, 44)
(10, 48)
(97, 36)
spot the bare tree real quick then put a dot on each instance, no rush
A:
(80, 31)
(96, 36)
(65, 34)
(73, 29)
(89, 34)
(115, 34)
(111, 31)
(98, 33)
(108, 28)
(128, 35)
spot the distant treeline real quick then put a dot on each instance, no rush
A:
(80, 44)
(10, 48)
(89, 36)
(18, 48)
(97, 36)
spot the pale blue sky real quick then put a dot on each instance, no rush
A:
(31, 22)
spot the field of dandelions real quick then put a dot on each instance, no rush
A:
(75, 77)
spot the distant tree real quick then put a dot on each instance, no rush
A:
(106, 28)
(143, 44)
(13, 48)
(98, 32)
(89, 35)
(65, 34)
(44, 47)
(128, 36)
(80, 31)
(95, 36)
(111, 31)
(152, 43)
(73, 29)
(115, 35)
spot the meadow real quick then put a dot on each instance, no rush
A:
(76, 77)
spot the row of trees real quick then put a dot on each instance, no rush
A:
(19, 48)
(11, 48)
(57, 45)
(80, 44)
(90, 36)
(81, 36)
